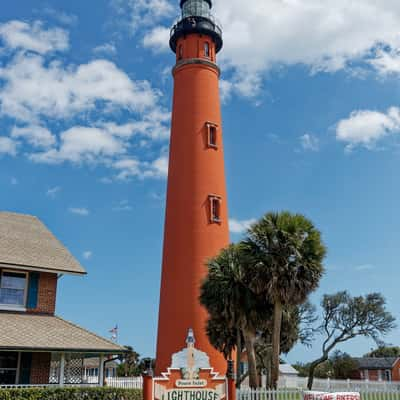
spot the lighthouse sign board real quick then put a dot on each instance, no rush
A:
(190, 377)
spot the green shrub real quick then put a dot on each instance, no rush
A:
(98, 393)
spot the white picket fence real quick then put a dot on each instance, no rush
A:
(135, 382)
(337, 385)
(289, 386)
(266, 394)
(297, 394)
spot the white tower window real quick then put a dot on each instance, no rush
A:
(215, 209)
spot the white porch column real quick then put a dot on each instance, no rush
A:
(101, 370)
(62, 369)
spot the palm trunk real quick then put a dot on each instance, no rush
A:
(238, 357)
(268, 363)
(249, 339)
(276, 341)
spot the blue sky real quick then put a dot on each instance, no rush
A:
(311, 124)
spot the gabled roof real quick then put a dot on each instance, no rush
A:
(375, 362)
(26, 243)
(287, 369)
(21, 331)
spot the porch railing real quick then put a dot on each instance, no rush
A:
(125, 383)
(50, 385)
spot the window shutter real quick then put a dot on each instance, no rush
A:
(25, 374)
(33, 287)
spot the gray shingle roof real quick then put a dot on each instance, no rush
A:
(26, 242)
(375, 362)
(287, 369)
(20, 331)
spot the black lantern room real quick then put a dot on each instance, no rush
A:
(196, 18)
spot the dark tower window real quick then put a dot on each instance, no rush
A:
(215, 209)
(212, 135)
(206, 49)
(180, 52)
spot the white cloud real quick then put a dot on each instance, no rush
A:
(84, 212)
(157, 196)
(106, 48)
(21, 35)
(243, 84)
(82, 144)
(106, 144)
(309, 142)
(324, 36)
(33, 90)
(128, 168)
(64, 112)
(37, 136)
(7, 146)
(87, 255)
(365, 267)
(157, 39)
(365, 127)
(143, 12)
(387, 62)
(240, 226)
(159, 167)
(52, 192)
(152, 125)
(123, 205)
(225, 89)
(60, 16)
(131, 167)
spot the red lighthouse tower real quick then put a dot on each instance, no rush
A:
(196, 225)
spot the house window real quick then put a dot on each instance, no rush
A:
(212, 135)
(206, 49)
(13, 288)
(8, 368)
(215, 209)
(388, 375)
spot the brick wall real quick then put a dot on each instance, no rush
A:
(396, 371)
(47, 293)
(40, 368)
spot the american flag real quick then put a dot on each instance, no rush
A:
(114, 333)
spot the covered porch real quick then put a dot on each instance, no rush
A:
(43, 350)
(43, 369)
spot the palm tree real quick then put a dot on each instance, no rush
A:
(129, 362)
(288, 254)
(228, 299)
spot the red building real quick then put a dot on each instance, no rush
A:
(196, 222)
(378, 368)
(36, 346)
